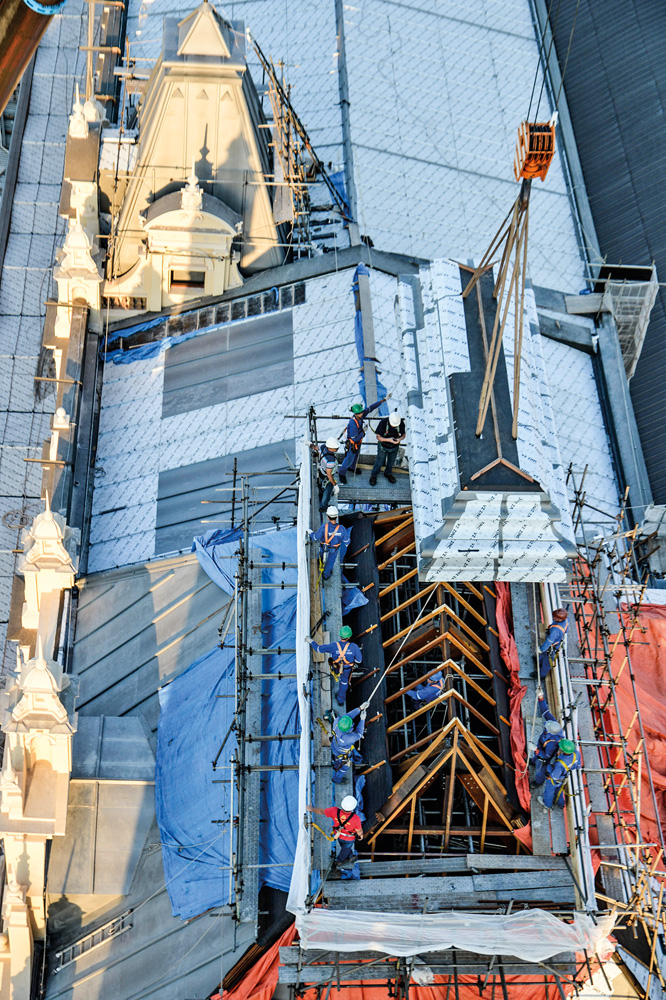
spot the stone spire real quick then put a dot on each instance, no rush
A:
(39, 706)
(78, 126)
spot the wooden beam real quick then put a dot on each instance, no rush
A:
(413, 655)
(479, 690)
(405, 523)
(422, 621)
(405, 604)
(449, 791)
(410, 835)
(465, 627)
(470, 656)
(420, 680)
(465, 603)
(473, 590)
(441, 735)
(396, 555)
(397, 583)
(401, 806)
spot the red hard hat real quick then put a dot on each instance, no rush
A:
(559, 615)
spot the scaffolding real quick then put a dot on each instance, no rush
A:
(606, 591)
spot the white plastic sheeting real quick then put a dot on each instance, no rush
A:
(299, 887)
(530, 935)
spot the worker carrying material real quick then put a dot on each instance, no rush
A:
(548, 743)
(555, 636)
(566, 759)
(355, 435)
(390, 432)
(347, 828)
(331, 535)
(429, 690)
(348, 730)
(343, 656)
(328, 467)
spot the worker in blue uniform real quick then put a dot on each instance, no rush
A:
(555, 636)
(348, 730)
(548, 743)
(343, 657)
(566, 759)
(355, 435)
(332, 537)
(429, 690)
(328, 467)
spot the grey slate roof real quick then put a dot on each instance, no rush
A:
(615, 86)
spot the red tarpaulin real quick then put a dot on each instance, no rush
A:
(648, 660)
(517, 691)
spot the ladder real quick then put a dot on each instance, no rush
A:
(93, 940)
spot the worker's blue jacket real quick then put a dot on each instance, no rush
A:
(429, 690)
(331, 536)
(343, 652)
(554, 637)
(356, 428)
(342, 743)
(561, 765)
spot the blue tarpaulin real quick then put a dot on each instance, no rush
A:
(194, 721)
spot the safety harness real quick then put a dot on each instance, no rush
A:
(340, 661)
(329, 536)
(353, 445)
(555, 648)
(572, 766)
(341, 824)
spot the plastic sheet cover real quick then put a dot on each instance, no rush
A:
(193, 722)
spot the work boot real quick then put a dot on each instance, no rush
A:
(342, 478)
(540, 799)
(373, 480)
(345, 866)
(390, 477)
(358, 472)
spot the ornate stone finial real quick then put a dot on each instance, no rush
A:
(77, 255)
(39, 706)
(78, 126)
(191, 198)
(93, 111)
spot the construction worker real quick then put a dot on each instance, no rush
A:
(347, 828)
(390, 432)
(346, 733)
(565, 760)
(550, 647)
(429, 690)
(328, 467)
(355, 435)
(343, 657)
(548, 742)
(331, 535)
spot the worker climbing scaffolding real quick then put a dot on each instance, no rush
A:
(343, 657)
(555, 636)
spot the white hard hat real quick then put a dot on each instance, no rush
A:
(332, 511)
(394, 419)
(349, 803)
(332, 444)
(553, 727)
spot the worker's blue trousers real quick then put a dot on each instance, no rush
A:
(544, 664)
(329, 554)
(343, 684)
(540, 765)
(350, 460)
(342, 764)
(327, 494)
(553, 793)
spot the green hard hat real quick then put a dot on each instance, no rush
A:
(567, 746)
(345, 724)
(346, 632)
(357, 408)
